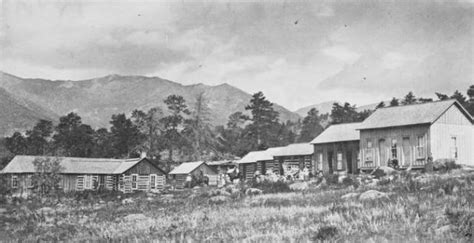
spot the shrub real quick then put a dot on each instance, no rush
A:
(331, 179)
(325, 233)
(271, 187)
(350, 181)
(463, 220)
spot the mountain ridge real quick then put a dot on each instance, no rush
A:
(96, 99)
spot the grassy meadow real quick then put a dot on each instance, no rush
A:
(413, 207)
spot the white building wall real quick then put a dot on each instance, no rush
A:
(453, 123)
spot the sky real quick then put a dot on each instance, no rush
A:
(297, 53)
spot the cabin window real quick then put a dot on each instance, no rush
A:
(320, 161)
(420, 147)
(369, 152)
(339, 161)
(394, 149)
(88, 182)
(134, 182)
(14, 181)
(153, 181)
(29, 181)
(454, 147)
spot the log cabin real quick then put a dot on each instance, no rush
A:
(79, 174)
(197, 169)
(260, 161)
(222, 166)
(336, 149)
(298, 155)
(407, 136)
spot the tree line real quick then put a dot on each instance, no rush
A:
(183, 133)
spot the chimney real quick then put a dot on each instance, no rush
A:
(142, 155)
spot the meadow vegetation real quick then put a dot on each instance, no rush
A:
(406, 207)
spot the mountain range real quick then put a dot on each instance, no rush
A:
(23, 101)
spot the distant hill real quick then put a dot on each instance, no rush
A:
(95, 100)
(18, 114)
(323, 108)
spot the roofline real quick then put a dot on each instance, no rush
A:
(79, 158)
(202, 162)
(340, 141)
(434, 101)
(461, 107)
(285, 155)
(407, 125)
(148, 162)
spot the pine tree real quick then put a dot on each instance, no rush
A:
(394, 102)
(409, 99)
(151, 127)
(380, 105)
(311, 126)
(172, 136)
(125, 135)
(264, 119)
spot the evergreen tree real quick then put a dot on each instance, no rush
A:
(151, 127)
(172, 124)
(459, 97)
(409, 99)
(470, 93)
(229, 139)
(441, 96)
(103, 147)
(16, 144)
(198, 129)
(38, 138)
(380, 105)
(343, 114)
(394, 102)
(125, 136)
(73, 138)
(311, 126)
(264, 119)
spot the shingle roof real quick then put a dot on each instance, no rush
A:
(296, 149)
(24, 164)
(406, 115)
(263, 155)
(338, 133)
(186, 168)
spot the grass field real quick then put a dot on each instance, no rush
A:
(428, 208)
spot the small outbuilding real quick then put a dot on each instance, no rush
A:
(261, 161)
(78, 174)
(336, 149)
(222, 166)
(296, 157)
(197, 170)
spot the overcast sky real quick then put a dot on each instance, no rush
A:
(298, 54)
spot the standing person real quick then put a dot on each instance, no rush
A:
(189, 180)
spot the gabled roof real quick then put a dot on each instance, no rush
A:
(295, 149)
(425, 113)
(263, 155)
(186, 168)
(24, 164)
(220, 162)
(338, 133)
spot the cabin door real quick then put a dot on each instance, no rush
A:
(406, 160)
(383, 159)
(349, 162)
(330, 158)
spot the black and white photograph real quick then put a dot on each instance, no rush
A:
(236, 121)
